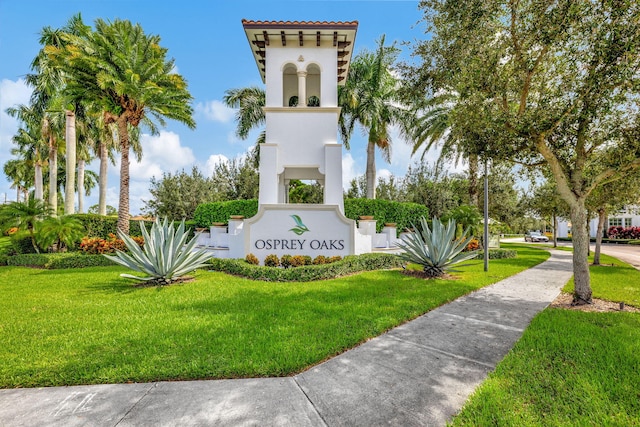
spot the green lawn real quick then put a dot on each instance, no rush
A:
(570, 367)
(91, 326)
(613, 280)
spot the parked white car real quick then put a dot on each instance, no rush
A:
(535, 236)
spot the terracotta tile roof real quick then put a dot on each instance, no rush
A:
(298, 24)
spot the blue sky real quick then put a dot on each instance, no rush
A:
(207, 40)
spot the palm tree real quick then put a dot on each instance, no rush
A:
(48, 97)
(24, 216)
(18, 173)
(434, 127)
(60, 232)
(249, 102)
(29, 140)
(126, 72)
(370, 98)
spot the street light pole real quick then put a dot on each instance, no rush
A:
(486, 217)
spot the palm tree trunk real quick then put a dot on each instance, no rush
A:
(70, 186)
(102, 197)
(602, 216)
(371, 170)
(38, 192)
(53, 175)
(473, 181)
(123, 203)
(81, 166)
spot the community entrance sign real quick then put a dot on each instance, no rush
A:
(299, 229)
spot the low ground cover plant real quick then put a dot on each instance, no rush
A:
(299, 268)
(91, 326)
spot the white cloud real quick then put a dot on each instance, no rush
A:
(349, 171)
(160, 153)
(215, 111)
(213, 161)
(11, 94)
(385, 174)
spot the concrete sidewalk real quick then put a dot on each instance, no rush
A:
(418, 374)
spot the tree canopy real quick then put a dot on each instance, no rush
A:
(541, 82)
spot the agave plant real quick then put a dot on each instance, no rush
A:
(165, 256)
(436, 250)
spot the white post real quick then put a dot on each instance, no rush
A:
(302, 88)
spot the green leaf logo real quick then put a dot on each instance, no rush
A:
(300, 228)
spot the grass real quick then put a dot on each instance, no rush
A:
(613, 280)
(570, 367)
(90, 326)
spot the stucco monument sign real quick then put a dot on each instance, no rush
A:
(302, 64)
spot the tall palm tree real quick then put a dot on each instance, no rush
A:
(19, 174)
(48, 96)
(249, 102)
(126, 72)
(370, 97)
(29, 141)
(433, 127)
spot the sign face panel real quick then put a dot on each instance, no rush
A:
(299, 230)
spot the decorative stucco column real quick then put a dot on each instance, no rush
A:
(302, 88)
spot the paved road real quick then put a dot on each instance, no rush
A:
(627, 253)
(418, 374)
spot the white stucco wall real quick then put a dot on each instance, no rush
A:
(325, 59)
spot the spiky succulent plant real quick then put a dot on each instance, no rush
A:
(165, 256)
(436, 249)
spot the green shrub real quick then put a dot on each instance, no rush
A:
(58, 261)
(208, 213)
(384, 211)
(252, 259)
(21, 244)
(285, 261)
(103, 226)
(297, 261)
(76, 260)
(3, 259)
(320, 260)
(271, 260)
(348, 265)
(498, 254)
(307, 260)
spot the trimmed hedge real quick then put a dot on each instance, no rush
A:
(101, 226)
(208, 213)
(383, 211)
(498, 254)
(58, 261)
(348, 265)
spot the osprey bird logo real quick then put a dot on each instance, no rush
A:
(300, 228)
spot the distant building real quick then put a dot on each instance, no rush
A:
(628, 217)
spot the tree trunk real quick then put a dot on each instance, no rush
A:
(602, 216)
(38, 191)
(580, 237)
(473, 181)
(81, 165)
(123, 203)
(555, 230)
(53, 175)
(70, 185)
(102, 197)
(371, 170)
